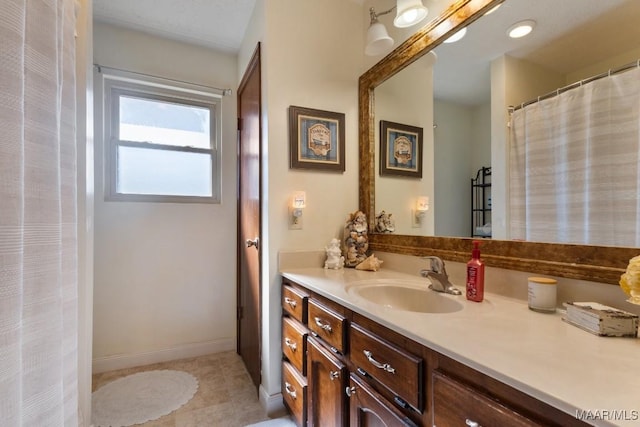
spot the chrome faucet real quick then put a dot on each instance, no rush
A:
(437, 274)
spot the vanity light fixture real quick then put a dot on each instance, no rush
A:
(457, 36)
(422, 206)
(521, 29)
(408, 13)
(298, 203)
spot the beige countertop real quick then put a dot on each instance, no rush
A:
(536, 353)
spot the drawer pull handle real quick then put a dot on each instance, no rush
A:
(323, 325)
(292, 345)
(290, 390)
(333, 375)
(471, 423)
(384, 366)
(291, 302)
(350, 391)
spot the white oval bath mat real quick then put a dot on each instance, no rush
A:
(141, 397)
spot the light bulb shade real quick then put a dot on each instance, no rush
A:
(422, 204)
(409, 12)
(299, 200)
(378, 40)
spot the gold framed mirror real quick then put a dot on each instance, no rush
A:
(594, 263)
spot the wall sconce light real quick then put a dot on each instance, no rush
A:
(298, 203)
(422, 206)
(408, 13)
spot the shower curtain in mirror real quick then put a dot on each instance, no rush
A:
(575, 166)
(38, 255)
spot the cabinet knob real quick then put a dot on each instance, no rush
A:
(350, 391)
(290, 390)
(471, 423)
(333, 375)
(292, 303)
(325, 326)
(289, 343)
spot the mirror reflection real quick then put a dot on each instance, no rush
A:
(460, 95)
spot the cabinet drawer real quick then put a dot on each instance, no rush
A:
(294, 303)
(457, 404)
(398, 370)
(368, 408)
(328, 325)
(294, 392)
(294, 343)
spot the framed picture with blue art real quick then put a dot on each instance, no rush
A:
(316, 139)
(400, 150)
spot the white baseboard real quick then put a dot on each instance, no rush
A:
(272, 404)
(122, 361)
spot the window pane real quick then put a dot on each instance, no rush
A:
(159, 122)
(163, 172)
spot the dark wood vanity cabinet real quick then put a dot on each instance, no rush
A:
(341, 368)
(327, 377)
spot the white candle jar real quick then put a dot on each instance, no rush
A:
(542, 294)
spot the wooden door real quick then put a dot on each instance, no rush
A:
(327, 381)
(249, 214)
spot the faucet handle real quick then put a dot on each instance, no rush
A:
(437, 265)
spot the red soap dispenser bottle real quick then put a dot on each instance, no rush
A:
(475, 275)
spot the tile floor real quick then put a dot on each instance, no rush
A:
(225, 397)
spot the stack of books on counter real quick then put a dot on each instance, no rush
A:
(601, 320)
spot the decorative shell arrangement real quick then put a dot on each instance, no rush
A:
(385, 223)
(356, 241)
(371, 264)
(630, 280)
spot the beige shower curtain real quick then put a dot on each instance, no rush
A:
(38, 245)
(575, 166)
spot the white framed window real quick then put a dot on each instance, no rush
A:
(161, 142)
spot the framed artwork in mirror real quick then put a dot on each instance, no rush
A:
(400, 150)
(316, 139)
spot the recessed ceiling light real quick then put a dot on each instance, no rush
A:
(457, 36)
(521, 29)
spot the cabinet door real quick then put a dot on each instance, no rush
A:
(327, 381)
(368, 409)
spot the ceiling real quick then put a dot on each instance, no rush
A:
(217, 24)
(569, 35)
(462, 69)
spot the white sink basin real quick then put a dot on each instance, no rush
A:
(405, 295)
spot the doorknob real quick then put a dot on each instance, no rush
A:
(253, 242)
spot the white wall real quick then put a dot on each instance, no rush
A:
(453, 156)
(312, 56)
(165, 276)
(406, 98)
